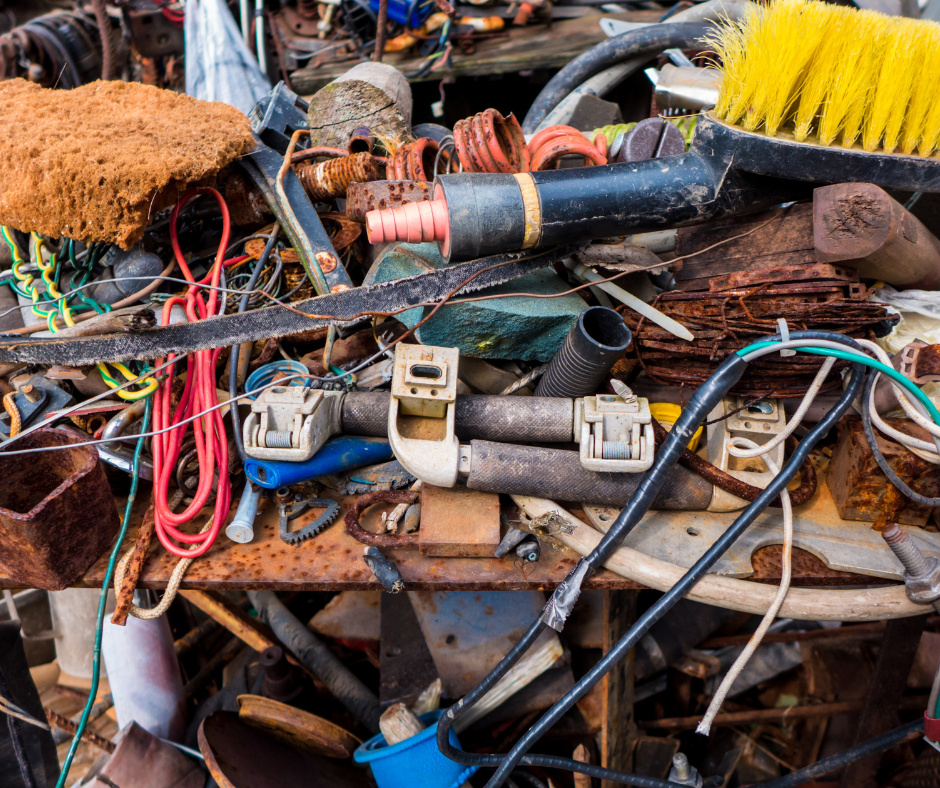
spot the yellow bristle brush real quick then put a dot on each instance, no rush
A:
(831, 75)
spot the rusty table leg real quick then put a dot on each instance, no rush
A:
(898, 647)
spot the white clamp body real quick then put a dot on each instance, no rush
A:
(290, 423)
(760, 422)
(615, 432)
(422, 410)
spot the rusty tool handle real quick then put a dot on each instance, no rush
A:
(861, 225)
(136, 564)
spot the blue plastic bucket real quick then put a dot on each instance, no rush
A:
(415, 761)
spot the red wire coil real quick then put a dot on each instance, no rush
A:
(199, 394)
(555, 142)
(414, 161)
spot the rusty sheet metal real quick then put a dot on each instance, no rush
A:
(379, 195)
(241, 756)
(821, 273)
(860, 489)
(125, 595)
(927, 363)
(296, 727)
(57, 512)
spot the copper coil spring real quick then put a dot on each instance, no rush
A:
(554, 143)
(489, 142)
(416, 161)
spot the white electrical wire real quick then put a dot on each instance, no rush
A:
(797, 417)
(910, 408)
(743, 447)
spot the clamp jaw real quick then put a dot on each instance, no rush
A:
(733, 418)
(615, 432)
(290, 423)
(422, 411)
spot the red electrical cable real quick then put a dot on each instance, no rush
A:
(199, 394)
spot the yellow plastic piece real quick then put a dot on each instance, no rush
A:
(666, 414)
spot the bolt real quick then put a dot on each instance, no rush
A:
(909, 554)
(30, 392)
(681, 765)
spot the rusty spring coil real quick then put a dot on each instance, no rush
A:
(416, 161)
(330, 179)
(489, 142)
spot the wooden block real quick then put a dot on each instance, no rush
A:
(458, 522)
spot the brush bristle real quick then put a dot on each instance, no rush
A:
(841, 75)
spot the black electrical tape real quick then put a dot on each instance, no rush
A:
(874, 746)
(876, 452)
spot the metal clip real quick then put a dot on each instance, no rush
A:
(291, 423)
(615, 432)
(422, 410)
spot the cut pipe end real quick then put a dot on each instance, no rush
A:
(415, 222)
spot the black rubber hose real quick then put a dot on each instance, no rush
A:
(677, 438)
(592, 347)
(646, 41)
(876, 452)
(558, 475)
(686, 583)
(476, 416)
(871, 747)
(234, 353)
(317, 658)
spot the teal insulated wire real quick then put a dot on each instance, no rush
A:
(102, 602)
(859, 358)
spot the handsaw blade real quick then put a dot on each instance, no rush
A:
(276, 321)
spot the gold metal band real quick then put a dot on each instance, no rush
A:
(532, 209)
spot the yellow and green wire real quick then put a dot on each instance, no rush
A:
(62, 309)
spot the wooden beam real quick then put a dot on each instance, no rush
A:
(618, 730)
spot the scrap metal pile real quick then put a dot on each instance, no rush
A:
(317, 347)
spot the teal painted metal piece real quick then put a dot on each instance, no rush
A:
(519, 327)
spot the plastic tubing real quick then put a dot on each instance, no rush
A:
(199, 394)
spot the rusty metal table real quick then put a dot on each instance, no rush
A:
(332, 561)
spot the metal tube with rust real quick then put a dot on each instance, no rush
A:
(330, 179)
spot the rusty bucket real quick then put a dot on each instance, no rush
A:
(57, 513)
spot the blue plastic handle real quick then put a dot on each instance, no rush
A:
(337, 454)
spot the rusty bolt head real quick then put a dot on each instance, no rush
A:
(924, 589)
(30, 392)
(339, 288)
(326, 261)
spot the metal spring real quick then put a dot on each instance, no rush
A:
(556, 142)
(415, 161)
(489, 142)
(615, 450)
(278, 439)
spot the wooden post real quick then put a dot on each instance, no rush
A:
(619, 728)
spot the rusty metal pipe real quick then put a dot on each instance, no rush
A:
(330, 179)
